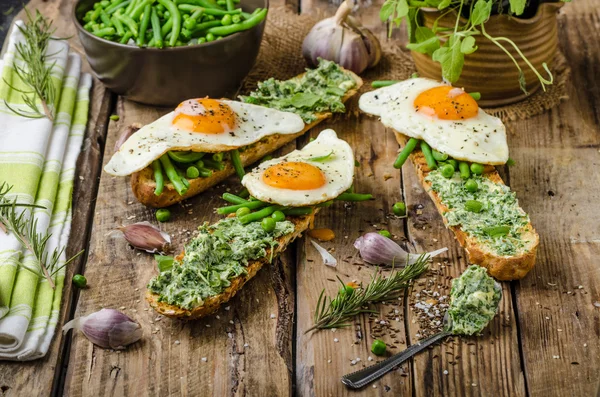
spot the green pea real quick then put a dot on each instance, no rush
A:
(473, 206)
(452, 162)
(278, 216)
(471, 186)
(163, 215)
(201, 40)
(79, 281)
(226, 20)
(115, 117)
(242, 211)
(447, 171)
(378, 347)
(192, 172)
(268, 224)
(477, 168)
(399, 209)
(385, 233)
(190, 24)
(210, 37)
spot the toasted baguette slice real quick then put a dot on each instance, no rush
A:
(501, 267)
(212, 304)
(143, 185)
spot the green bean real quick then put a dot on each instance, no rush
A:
(218, 156)
(237, 162)
(253, 205)
(325, 204)
(118, 25)
(298, 211)
(465, 172)
(112, 9)
(230, 5)
(158, 41)
(232, 198)
(176, 17)
(453, 163)
(244, 193)
(144, 25)
(208, 11)
(247, 24)
(105, 18)
(88, 26)
(131, 6)
(439, 156)
(246, 15)
(259, 215)
(226, 20)
(428, 155)
(173, 175)
(125, 39)
(185, 157)
(105, 32)
(159, 177)
(137, 11)
(202, 3)
(383, 83)
(130, 23)
(354, 197)
(408, 148)
(205, 172)
(166, 28)
(96, 14)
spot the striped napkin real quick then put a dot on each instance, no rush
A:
(37, 157)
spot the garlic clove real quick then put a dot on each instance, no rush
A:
(380, 250)
(353, 53)
(147, 237)
(126, 133)
(107, 328)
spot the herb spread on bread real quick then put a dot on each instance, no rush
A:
(217, 254)
(316, 91)
(497, 221)
(474, 299)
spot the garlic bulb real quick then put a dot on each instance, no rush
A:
(107, 328)
(342, 39)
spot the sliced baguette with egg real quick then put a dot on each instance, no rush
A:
(212, 304)
(143, 185)
(501, 267)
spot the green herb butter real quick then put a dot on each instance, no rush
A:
(499, 211)
(318, 90)
(474, 299)
(217, 254)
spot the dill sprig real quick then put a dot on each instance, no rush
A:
(24, 228)
(334, 313)
(35, 73)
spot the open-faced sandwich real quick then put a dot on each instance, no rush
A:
(204, 141)
(284, 195)
(454, 146)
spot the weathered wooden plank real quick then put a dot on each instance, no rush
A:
(242, 350)
(557, 155)
(43, 376)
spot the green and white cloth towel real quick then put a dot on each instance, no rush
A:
(37, 158)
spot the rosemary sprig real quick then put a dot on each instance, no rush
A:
(35, 73)
(334, 313)
(24, 229)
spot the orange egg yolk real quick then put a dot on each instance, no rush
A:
(294, 175)
(447, 103)
(208, 116)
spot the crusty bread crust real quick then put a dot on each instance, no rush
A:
(501, 267)
(212, 304)
(143, 185)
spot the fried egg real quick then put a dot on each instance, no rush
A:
(447, 118)
(201, 125)
(319, 172)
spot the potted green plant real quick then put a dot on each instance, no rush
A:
(500, 48)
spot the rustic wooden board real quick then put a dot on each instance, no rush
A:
(44, 376)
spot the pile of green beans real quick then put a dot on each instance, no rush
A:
(253, 210)
(168, 23)
(437, 160)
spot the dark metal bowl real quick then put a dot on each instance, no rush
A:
(165, 77)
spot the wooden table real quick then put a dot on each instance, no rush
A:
(544, 342)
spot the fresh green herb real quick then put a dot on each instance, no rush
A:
(321, 158)
(449, 46)
(380, 288)
(24, 229)
(164, 262)
(36, 72)
(510, 162)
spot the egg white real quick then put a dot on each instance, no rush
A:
(480, 139)
(338, 170)
(253, 123)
